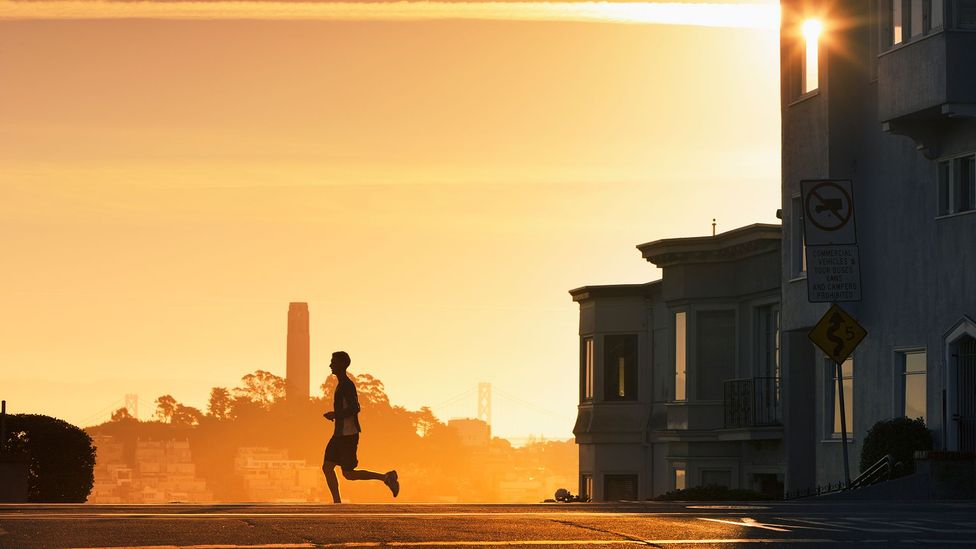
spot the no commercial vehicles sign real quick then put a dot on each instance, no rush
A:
(833, 274)
(833, 265)
(828, 212)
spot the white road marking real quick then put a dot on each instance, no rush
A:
(819, 525)
(890, 529)
(57, 516)
(747, 522)
(479, 543)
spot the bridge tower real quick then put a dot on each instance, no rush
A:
(484, 402)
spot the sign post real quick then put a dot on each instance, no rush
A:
(837, 335)
(843, 424)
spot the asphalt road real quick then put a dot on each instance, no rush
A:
(254, 526)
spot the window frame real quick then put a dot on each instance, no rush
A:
(798, 245)
(948, 187)
(830, 400)
(675, 468)
(767, 315)
(902, 373)
(587, 368)
(586, 486)
(609, 395)
(684, 355)
(910, 17)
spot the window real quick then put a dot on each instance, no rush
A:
(716, 477)
(913, 370)
(586, 487)
(799, 245)
(833, 398)
(767, 320)
(680, 356)
(620, 487)
(586, 363)
(957, 185)
(906, 20)
(679, 478)
(810, 60)
(620, 367)
(715, 359)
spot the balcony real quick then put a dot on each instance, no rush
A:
(753, 402)
(929, 79)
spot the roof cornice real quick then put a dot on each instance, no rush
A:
(731, 245)
(586, 293)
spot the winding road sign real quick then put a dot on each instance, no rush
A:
(837, 334)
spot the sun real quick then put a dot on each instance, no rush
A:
(811, 29)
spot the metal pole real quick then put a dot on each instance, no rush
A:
(3, 426)
(843, 425)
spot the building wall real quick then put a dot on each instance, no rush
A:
(915, 267)
(651, 435)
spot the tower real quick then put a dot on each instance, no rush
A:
(132, 405)
(484, 402)
(297, 355)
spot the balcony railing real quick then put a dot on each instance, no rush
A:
(753, 402)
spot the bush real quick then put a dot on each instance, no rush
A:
(900, 437)
(711, 492)
(61, 457)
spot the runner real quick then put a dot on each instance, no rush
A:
(341, 449)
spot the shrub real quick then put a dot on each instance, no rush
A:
(61, 457)
(711, 492)
(900, 437)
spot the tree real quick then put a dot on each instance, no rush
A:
(165, 406)
(262, 387)
(186, 415)
(121, 414)
(371, 390)
(220, 402)
(900, 437)
(61, 456)
(424, 420)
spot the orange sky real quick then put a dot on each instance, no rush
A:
(432, 188)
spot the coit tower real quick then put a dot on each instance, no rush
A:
(297, 357)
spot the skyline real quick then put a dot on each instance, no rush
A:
(418, 183)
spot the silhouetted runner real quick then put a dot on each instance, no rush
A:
(341, 449)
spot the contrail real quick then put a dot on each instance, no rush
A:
(755, 16)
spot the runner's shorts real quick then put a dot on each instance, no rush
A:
(342, 450)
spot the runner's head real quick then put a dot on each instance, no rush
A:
(340, 361)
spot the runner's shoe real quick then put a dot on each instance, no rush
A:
(390, 479)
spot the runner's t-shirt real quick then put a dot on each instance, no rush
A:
(346, 399)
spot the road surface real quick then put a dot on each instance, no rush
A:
(807, 523)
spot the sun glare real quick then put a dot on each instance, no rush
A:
(812, 29)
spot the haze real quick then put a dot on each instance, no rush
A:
(431, 187)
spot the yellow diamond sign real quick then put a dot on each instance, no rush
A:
(837, 334)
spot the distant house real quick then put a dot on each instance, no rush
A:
(680, 377)
(882, 93)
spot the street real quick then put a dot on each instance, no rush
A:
(253, 526)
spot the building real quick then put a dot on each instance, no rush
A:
(270, 475)
(882, 93)
(164, 472)
(297, 354)
(472, 432)
(680, 377)
(112, 475)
